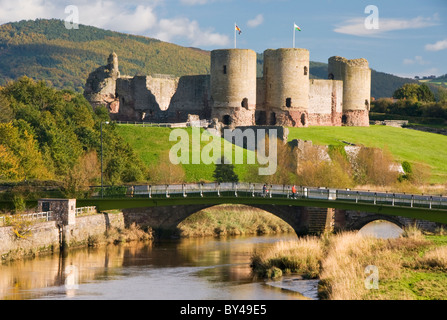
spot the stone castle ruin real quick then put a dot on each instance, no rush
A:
(233, 95)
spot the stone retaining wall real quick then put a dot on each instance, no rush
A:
(49, 236)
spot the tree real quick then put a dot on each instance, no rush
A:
(9, 164)
(414, 92)
(425, 94)
(225, 172)
(408, 91)
(6, 113)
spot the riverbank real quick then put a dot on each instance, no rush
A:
(50, 237)
(411, 267)
(109, 228)
(232, 220)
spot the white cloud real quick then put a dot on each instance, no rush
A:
(170, 29)
(417, 60)
(440, 45)
(11, 11)
(193, 2)
(357, 26)
(258, 20)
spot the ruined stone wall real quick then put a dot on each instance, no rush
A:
(233, 86)
(144, 97)
(325, 102)
(286, 75)
(192, 97)
(100, 86)
(356, 77)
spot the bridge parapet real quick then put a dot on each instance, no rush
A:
(431, 202)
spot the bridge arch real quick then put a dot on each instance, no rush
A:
(165, 220)
(239, 212)
(359, 223)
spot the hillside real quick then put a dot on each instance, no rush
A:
(416, 147)
(404, 144)
(153, 146)
(45, 50)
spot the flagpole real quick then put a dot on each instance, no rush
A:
(235, 24)
(294, 35)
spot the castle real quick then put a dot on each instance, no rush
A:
(233, 95)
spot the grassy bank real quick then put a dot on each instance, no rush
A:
(153, 146)
(404, 144)
(232, 220)
(412, 267)
(416, 147)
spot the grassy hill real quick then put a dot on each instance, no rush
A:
(46, 50)
(153, 146)
(404, 144)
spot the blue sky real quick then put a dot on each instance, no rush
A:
(411, 38)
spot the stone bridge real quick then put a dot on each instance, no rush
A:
(309, 211)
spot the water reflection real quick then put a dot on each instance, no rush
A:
(188, 269)
(381, 229)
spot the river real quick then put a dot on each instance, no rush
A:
(184, 269)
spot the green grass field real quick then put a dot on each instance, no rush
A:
(405, 144)
(153, 145)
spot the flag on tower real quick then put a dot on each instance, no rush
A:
(296, 27)
(238, 29)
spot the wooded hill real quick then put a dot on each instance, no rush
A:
(46, 50)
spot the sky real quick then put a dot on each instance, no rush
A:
(403, 37)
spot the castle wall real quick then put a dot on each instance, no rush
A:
(163, 88)
(356, 77)
(233, 86)
(192, 97)
(325, 102)
(286, 74)
(260, 115)
(233, 95)
(144, 97)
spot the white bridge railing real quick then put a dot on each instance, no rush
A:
(85, 211)
(37, 216)
(42, 216)
(283, 191)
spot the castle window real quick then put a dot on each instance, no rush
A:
(261, 118)
(244, 103)
(289, 102)
(273, 119)
(225, 69)
(344, 120)
(331, 76)
(226, 120)
(303, 120)
(305, 71)
(367, 104)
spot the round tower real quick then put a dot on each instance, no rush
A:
(233, 86)
(286, 74)
(356, 77)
